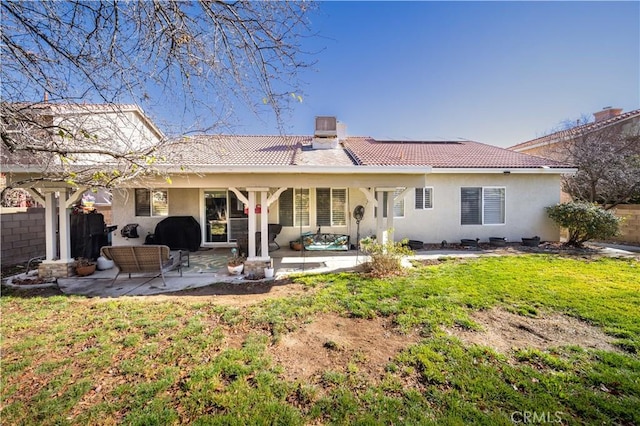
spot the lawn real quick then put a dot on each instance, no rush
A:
(416, 349)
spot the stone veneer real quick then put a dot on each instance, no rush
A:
(56, 269)
(254, 269)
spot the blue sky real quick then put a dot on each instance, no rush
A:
(494, 72)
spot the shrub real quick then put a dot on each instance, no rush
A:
(386, 259)
(584, 221)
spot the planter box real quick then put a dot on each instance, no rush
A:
(531, 242)
(466, 242)
(498, 241)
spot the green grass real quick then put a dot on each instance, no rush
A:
(70, 360)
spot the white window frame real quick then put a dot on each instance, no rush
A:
(482, 206)
(430, 188)
(346, 203)
(152, 212)
(400, 203)
(296, 191)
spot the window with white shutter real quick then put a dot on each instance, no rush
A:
(151, 202)
(493, 206)
(482, 206)
(331, 205)
(293, 207)
(424, 198)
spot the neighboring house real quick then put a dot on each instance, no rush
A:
(427, 191)
(116, 127)
(610, 120)
(599, 148)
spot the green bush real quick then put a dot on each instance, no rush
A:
(584, 221)
(386, 259)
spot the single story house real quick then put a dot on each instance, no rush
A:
(421, 190)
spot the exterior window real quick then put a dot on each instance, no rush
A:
(398, 206)
(424, 198)
(293, 207)
(151, 202)
(482, 206)
(331, 205)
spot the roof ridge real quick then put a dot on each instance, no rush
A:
(591, 126)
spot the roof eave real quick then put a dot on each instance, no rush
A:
(301, 169)
(506, 170)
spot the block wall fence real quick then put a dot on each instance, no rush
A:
(630, 229)
(22, 234)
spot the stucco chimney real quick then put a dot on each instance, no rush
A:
(607, 113)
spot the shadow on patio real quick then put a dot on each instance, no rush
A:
(207, 267)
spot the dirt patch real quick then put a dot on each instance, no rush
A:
(332, 342)
(232, 294)
(505, 331)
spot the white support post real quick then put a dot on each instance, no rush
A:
(252, 225)
(65, 227)
(389, 207)
(380, 229)
(264, 226)
(50, 225)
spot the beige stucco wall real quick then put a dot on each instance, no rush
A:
(526, 197)
(182, 202)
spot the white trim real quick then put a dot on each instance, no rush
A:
(537, 170)
(275, 196)
(240, 195)
(423, 198)
(482, 188)
(288, 169)
(151, 210)
(369, 194)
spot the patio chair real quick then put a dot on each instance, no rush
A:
(156, 259)
(273, 230)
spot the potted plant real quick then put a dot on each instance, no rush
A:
(85, 267)
(235, 264)
(269, 270)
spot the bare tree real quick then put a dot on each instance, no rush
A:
(608, 161)
(198, 59)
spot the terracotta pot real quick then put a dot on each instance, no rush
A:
(85, 270)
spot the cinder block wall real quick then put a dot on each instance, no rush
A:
(22, 234)
(630, 229)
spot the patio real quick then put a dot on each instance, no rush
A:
(207, 267)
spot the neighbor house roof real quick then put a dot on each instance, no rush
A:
(573, 132)
(228, 150)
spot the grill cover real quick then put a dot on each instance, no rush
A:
(179, 233)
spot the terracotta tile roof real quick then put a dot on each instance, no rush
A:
(228, 150)
(453, 154)
(575, 131)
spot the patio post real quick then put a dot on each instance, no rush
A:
(51, 246)
(264, 228)
(252, 224)
(380, 231)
